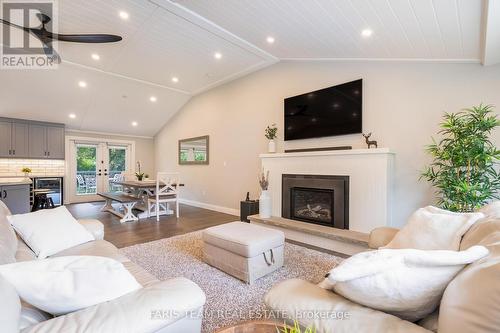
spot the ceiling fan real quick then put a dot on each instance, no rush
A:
(46, 37)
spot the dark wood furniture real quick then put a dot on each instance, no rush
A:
(248, 208)
(41, 200)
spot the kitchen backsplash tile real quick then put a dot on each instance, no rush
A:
(12, 167)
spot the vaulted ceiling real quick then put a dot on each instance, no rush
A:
(164, 39)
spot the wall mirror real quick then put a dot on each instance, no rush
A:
(193, 150)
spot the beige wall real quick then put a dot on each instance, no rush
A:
(144, 148)
(403, 103)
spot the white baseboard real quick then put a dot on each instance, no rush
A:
(216, 208)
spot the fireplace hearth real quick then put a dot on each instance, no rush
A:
(316, 199)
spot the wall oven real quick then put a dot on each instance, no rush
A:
(51, 183)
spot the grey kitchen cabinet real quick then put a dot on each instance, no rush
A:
(5, 138)
(46, 141)
(13, 139)
(16, 197)
(37, 141)
(55, 142)
(20, 140)
(31, 139)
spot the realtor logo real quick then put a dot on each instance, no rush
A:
(22, 47)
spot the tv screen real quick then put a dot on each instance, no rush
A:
(327, 112)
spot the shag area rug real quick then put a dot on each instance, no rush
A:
(229, 300)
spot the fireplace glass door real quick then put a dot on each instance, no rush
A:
(312, 205)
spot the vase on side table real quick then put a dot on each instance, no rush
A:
(271, 146)
(265, 204)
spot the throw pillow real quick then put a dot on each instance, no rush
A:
(432, 228)
(66, 284)
(407, 283)
(491, 210)
(50, 231)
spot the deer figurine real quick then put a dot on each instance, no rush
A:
(370, 142)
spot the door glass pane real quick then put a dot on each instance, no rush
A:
(86, 157)
(117, 162)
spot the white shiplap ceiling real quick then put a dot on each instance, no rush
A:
(415, 29)
(164, 39)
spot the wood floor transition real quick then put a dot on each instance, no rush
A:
(147, 230)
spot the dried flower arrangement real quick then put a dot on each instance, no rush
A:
(264, 180)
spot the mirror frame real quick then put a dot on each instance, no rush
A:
(206, 137)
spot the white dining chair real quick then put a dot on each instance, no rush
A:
(167, 191)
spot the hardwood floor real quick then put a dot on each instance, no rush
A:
(146, 230)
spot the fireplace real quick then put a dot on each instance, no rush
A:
(317, 199)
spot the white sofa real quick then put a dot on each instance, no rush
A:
(171, 306)
(470, 304)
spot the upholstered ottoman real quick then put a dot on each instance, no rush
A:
(243, 250)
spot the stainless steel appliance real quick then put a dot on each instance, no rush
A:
(51, 183)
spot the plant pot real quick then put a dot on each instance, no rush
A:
(265, 204)
(271, 146)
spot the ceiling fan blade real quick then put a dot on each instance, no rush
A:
(14, 25)
(51, 53)
(86, 38)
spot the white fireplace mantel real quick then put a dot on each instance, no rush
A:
(370, 180)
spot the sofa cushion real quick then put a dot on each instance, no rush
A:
(296, 299)
(95, 227)
(31, 315)
(100, 248)
(430, 322)
(491, 210)
(471, 302)
(245, 239)
(142, 276)
(432, 228)
(8, 241)
(10, 307)
(150, 309)
(24, 253)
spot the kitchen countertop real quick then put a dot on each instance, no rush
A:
(15, 181)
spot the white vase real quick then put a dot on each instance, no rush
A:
(265, 204)
(272, 146)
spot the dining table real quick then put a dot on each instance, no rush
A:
(143, 189)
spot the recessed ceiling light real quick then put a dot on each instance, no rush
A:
(175, 79)
(367, 32)
(152, 99)
(72, 115)
(217, 55)
(95, 56)
(123, 15)
(82, 84)
(270, 39)
(134, 123)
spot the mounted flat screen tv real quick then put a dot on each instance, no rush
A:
(327, 112)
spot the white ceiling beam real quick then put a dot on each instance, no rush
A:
(491, 33)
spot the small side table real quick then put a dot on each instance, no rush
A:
(248, 208)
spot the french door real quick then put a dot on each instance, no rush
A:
(94, 166)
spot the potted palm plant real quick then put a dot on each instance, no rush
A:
(465, 162)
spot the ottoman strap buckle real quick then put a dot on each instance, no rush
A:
(272, 258)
